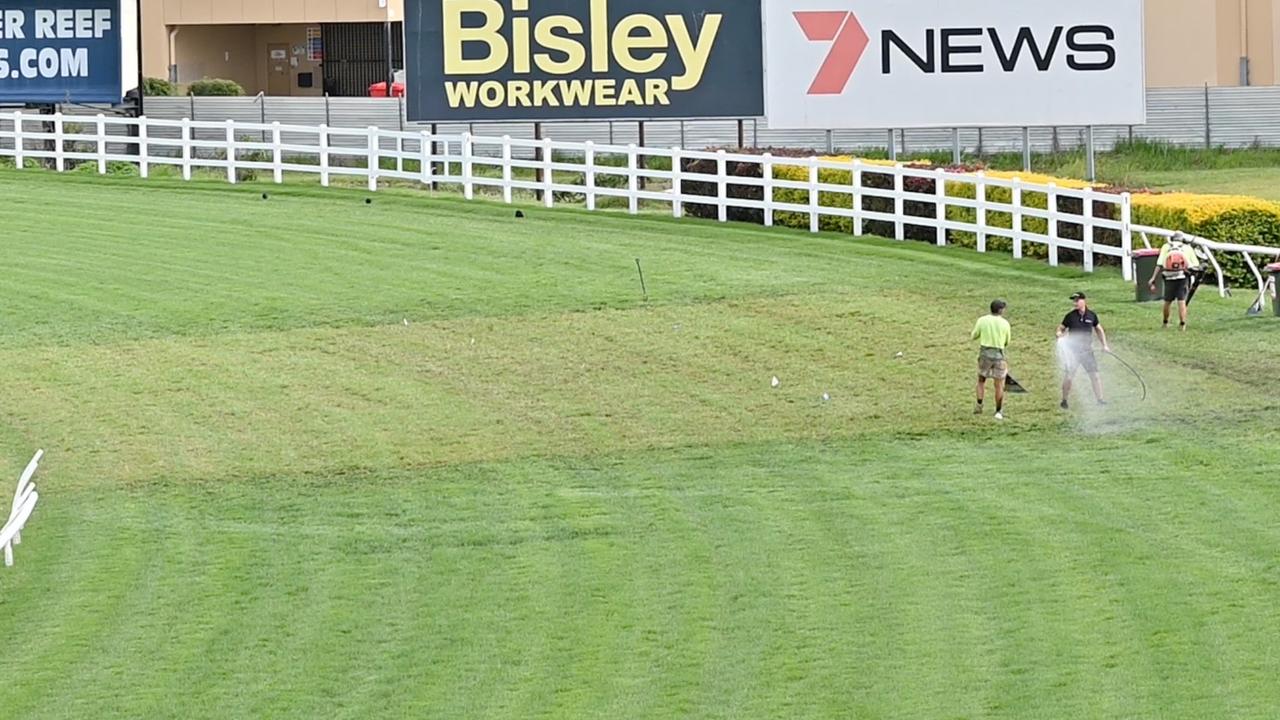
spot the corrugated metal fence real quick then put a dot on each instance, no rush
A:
(1226, 117)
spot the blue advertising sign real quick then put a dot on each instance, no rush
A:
(54, 51)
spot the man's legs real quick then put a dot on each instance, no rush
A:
(1182, 313)
(1097, 387)
(999, 382)
(1066, 384)
(1167, 307)
(982, 394)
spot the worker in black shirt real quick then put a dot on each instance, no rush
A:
(1075, 340)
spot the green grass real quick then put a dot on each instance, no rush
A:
(267, 496)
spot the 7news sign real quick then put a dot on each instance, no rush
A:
(941, 63)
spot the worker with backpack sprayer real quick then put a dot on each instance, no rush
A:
(1179, 265)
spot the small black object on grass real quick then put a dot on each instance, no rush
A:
(265, 196)
(519, 214)
(368, 201)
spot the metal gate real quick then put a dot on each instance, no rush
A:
(355, 56)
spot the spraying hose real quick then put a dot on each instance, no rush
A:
(1131, 369)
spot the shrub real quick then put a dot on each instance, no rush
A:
(1039, 226)
(213, 87)
(871, 179)
(603, 180)
(8, 163)
(158, 87)
(115, 168)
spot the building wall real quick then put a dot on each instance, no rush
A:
(1189, 43)
(1177, 56)
(295, 36)
(218, 51)
(241, 53)
(215, 12)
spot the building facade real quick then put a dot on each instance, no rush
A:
(278, 47)
(308, 47)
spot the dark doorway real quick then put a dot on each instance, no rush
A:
(355, 56)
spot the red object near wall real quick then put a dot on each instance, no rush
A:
(379, 90)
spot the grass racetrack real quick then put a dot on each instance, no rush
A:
(266, 495)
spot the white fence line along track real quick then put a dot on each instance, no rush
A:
(508, 164)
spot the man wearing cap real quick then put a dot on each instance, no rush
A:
(1178, 261)
(1075, 340)
(992, 333)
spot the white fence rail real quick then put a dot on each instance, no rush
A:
(25, 498)
(973, 207)
(1211, 248)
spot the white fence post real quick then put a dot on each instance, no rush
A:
(186, 148)
(19, 144)
(1126, 236)
(815, 203)
(899, 202)
(677, 186)
(722, 187)
(1052, 204)
(425, 154)
(102, 144)
(766, 172)
(506, 169)
(1088, 230)
(277, 154)
(374, 160)
(589, 174)
(231, 152)
(324, 156)
(144, 149)
(399, 153)
(1015, 224)
(856, 196)
(940, 206)
(980, 193)
(633, 183)
(59, 142)
(548, 173)
(468, 188)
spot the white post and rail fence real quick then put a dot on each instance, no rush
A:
(25, 498)
(921, 203)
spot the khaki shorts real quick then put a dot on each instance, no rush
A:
(992, 364)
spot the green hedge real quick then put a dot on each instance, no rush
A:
(215, 88)
(158, 87)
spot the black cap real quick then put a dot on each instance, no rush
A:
(998, 306)
(1079, 296)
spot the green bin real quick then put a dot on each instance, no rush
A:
(1274, 271)
(1144, 264)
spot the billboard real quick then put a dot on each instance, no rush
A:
(583, 59)
(55, 51)
(941, 63)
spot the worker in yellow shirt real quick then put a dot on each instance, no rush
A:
(992, 333)
(1177, 265)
